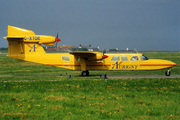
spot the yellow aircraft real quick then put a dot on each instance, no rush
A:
(25, 45)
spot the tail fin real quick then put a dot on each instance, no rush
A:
(22, 42)
(15, 31)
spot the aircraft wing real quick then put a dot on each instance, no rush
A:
(83, 54)
(90, 56)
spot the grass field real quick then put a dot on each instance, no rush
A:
(87, 97)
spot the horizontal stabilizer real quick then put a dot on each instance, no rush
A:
(14, 37)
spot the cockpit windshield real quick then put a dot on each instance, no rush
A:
(143, 57)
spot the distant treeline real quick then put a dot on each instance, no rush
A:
(79, 49)
(3, 48)
(112, 50)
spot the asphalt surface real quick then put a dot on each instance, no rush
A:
(3, 53)
(108, 76)
(141, 76)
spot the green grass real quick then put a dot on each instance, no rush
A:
(91, 99)
(86, 97)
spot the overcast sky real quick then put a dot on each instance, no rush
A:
(140, 24)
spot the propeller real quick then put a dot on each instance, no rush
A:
(104, 51)
(104, 56)
(57, 39)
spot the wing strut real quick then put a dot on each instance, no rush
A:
(83, 67)
(83, 64)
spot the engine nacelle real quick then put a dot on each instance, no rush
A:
(41, 39)
(98, 56)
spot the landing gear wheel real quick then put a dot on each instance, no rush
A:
(167, 73)
(85, 73)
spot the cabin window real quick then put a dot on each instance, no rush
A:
(66, 58)
(143, 57)
(134, 58)
(115, 58)
(124, 58)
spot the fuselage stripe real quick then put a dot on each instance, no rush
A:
(74, 65)
(158, 64)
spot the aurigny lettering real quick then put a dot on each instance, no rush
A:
(119, 66)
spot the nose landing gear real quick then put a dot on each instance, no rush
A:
(85, 73)
(168, 73)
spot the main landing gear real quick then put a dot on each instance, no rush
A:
(85, 73)
(168, 73)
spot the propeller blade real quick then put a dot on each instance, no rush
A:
(57, 39)
(104, 56)
(104, 51)
(57, 34)
(56, 44)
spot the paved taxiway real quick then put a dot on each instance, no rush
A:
(108, 76)
(141, 76)
(3, 53)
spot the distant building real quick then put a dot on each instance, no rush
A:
(51, 49)
(89, 48)
(64, 47)
(72, 48)
(123, 50)
(61, 48)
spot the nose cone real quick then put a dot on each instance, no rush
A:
(173, 64)
(57, 39)
(104, 56)
(168, 63)
(157, 64)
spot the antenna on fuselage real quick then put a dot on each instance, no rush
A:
(135, 50)
(104, 51)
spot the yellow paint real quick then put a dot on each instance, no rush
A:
(26, 45)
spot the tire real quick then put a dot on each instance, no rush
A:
(167, 73)
(85, 73)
